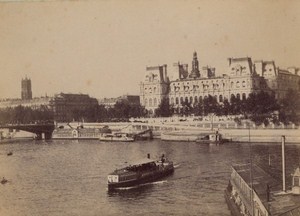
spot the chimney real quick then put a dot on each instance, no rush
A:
(229, 60)
(165, 72)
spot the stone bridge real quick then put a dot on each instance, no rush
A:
(41, 130)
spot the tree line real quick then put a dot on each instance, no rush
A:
(258, 107)
(122, 111)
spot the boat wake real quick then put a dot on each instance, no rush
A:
(142, 185)
(176, 166)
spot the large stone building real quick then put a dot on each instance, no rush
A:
(241, 78)
(64, 105)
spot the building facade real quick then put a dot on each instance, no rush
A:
(34, 103)
(242, 78)
(154, 88)
(26, 92)
(64, 105)
(110, 102)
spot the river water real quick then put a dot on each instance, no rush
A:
(70, 177)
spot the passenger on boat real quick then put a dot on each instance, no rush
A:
(163, 158)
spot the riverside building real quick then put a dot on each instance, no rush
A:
(242, 78)
(63, 105)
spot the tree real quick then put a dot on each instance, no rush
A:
(210, 105)
(198, 108)
(235, 105)
(25, 115)
(261, 107)
(289, 107)
(225, 108)
(186, 108)
(164, 109)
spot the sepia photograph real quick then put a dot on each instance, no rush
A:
(149, 108)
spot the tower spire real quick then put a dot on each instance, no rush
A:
(195, 73)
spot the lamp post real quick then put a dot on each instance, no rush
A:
(211, 115)
(251, 174)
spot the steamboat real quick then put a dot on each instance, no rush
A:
(143, 171)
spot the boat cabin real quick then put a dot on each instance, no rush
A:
(143, 165)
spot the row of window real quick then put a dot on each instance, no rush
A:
(150, 90)
(151, 102)
(196, 99)
(215, 86)
(179, 100)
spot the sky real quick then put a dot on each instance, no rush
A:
(102, 48)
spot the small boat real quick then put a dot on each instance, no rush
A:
(3, 181)
(9, 153)
(211, 138)
(143, 171)
(120, 137)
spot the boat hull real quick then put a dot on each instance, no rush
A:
(113, 139)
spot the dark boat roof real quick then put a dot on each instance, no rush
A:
(142, 161)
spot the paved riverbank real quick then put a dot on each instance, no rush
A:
(182, 132)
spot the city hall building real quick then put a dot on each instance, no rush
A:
(242, 78)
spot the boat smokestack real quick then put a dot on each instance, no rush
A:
(283, 162)
(148, 156)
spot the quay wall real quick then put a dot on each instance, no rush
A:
(261, 135)
(183, 131)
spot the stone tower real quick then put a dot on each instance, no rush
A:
(195, 73)
(26, 93)
(154, 88)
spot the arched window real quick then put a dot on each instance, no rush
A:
(244, 96)
(146, 102)
(154, 90)
(172, 100)
(232, 96)
(220, 98)
(150, 102)
(177, 100)
(237, 84)
(200, 99)
(232, 84)
(186, 99)
(196, 99)
(191, 99)
(155, 102)
(238, 96)
(244, 83)
(181, 100)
